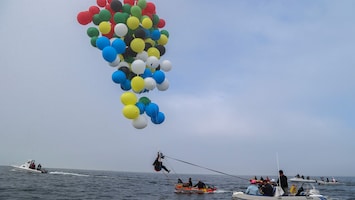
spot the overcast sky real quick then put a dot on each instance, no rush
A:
(255, 85)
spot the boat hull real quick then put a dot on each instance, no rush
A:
(243, 196)
(21, 168)
(179, 188)
(301, 180)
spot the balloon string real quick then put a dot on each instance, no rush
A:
(206, 168)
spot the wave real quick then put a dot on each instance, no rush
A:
(68, 173)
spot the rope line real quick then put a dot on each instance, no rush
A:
(206, 168)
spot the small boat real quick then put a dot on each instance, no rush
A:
(309, 193)
(30, 166)
(320, 182)
(181, 188)
(302, 180)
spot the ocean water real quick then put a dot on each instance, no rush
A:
(107, 185)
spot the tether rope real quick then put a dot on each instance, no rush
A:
(206, 168)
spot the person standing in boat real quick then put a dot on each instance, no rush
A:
(158, 163)
(39, 167)
(283, 182)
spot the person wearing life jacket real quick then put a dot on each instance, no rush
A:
(158, 163)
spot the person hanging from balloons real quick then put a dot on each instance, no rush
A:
(158, 163)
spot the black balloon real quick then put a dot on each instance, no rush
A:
(161, 49)
(139, 33)
(116, 5)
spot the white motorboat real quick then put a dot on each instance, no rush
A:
(302, 194)
(302, 180)
(30, 166)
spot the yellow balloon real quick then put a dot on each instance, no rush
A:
(105, 27)
(147, 23)
(133, 22)
(137, 45)
(150, 41)
(130, 111)
(129, 98)
(163, 40)
(137, 84)
(152, 51)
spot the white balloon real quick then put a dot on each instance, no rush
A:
(165, 65)
(149, 83)
(121, 29)
(116, 62)
(152, 62)
(123, 64)
(164, 85)
(140, 122)
(142, 56)
(138, 67)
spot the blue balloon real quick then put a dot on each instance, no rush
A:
(159, 118)
(159, 76)
(147, 33)
(152, 109)
(141, 107)
(102, 42)
(147, 73)
(119, 45)
(119, 77)
(155, 35)
(126, 85)
(109, 53)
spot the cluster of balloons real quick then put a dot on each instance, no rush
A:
(130, 37)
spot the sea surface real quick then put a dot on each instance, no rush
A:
(103, 185)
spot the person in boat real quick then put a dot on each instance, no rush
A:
(179, 181)
(282, 181)
(39, 167)
(190, 182)
(267, 189)
(200, 185)
(253, 188)
(293, 189)
(32, 165)
(158, 163)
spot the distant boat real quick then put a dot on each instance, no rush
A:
(302, 180)
(30, 166)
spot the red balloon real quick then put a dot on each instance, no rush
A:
(150, 8)
(101, 3)
(130, 2)
(161, 23)
(109, 1)
(84, 17)
(94, 10)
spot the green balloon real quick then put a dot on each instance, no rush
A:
(142, 4)
(144, 100)
(136, 11)
(165, 32)
(120, 17)
(105, 15)
(129, 59)
(93, 41)
(92, 31)
(126, 8)
(155, 19)
(96, 19)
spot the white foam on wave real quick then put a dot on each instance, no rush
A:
(221, 191)
(68, 173)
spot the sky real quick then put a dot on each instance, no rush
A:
(255, 86)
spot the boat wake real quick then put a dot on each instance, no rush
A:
(68, 173)
(222, 191)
